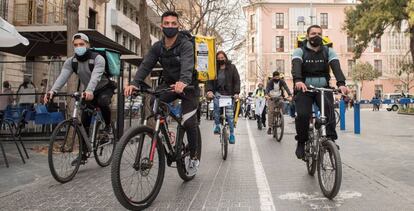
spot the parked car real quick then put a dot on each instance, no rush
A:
(393, 97)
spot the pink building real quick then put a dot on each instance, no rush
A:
(274, 25)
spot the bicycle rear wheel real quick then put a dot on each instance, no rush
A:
(224, 139)
(278, 126)
(329, 169)
(64, 153)
(104, 145)
(310, 157)
(136, 180)
(183, 151)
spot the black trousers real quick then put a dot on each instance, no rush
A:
(101, 99)
(304, 103)
(189, 105)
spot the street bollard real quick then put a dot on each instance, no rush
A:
(357, 118)
(342, 114)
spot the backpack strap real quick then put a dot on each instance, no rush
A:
(91, 62)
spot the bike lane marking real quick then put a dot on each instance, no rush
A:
(265, 194)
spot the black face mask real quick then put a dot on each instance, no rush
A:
(315, 41)
(170, 31)
(221, 62)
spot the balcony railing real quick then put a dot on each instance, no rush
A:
(39, 12)
(4, 9)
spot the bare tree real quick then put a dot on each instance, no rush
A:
(144, 26)
(219, 18)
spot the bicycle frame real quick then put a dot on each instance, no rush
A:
(97, 117)
(162, 127)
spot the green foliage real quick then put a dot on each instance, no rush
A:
(370, 18)
(363, 71)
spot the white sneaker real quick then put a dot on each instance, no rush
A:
(191, 166)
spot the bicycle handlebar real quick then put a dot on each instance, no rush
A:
(316, 89)
(158, 91)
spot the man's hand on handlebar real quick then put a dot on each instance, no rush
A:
(88, 96)
(48, 96)
(178, 87)
(128, 90)
(301, 86)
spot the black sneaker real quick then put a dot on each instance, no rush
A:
(107, 130)
(300, 150)
(269, 131)
(83, 161)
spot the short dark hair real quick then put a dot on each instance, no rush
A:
(169, 13)
(6, 84)
(276, 73)
(311, 27)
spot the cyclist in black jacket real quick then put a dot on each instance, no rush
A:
(310, 66)
(175, 52)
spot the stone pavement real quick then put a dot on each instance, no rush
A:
(377, 174)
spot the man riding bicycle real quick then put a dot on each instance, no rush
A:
(175, 53)
(91, 72)
(274, 89)
(310, 66)
(227, 83)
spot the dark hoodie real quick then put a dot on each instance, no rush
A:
(177, 62)
(232, 84)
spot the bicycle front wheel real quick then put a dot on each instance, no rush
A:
(329, 169)
(64, 153)
(224, 139)
(278, 126)
(137, 174)
(104, 145)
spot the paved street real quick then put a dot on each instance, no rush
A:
(259, 174)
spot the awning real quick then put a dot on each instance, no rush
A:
(9, 36)
(51, 41)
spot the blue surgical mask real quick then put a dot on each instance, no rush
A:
(80, 51)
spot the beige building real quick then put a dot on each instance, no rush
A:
(109, 22)
(275, 24)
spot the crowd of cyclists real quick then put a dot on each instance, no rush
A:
(311, 64)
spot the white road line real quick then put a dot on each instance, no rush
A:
(265, 194)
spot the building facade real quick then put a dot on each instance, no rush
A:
(274, 25)
(116, 19)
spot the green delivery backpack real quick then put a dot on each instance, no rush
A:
(112, 61)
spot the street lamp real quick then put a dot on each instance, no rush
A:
(301, 23)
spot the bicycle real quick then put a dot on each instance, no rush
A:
(322, 152)
(337, 117)
(70, 137)
(278, 119)
(224, 101)
(141, 153)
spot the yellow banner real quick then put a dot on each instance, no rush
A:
(205, 57)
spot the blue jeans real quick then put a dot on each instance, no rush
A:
(229, 114)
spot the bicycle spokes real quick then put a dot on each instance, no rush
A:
(327, 168)
(139, 168)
